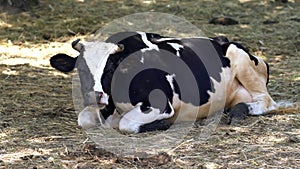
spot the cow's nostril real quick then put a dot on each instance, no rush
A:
(98, 96)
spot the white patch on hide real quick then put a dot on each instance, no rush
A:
(96, 55)
(177, 47)
(166, 39)
(170, 79)
(150, 45)
(135, 118)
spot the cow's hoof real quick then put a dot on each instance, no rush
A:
(238, 113)
(156, 125)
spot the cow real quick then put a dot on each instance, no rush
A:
(142, 81)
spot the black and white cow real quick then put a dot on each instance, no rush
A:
(143, 81)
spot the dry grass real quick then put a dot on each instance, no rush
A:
(37, 119)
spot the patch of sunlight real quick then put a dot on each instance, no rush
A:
(47, 139)
(34, 54)
(35, 51)
(271, 139)
(239, 129)
(148, 2)
(17, 156)
(221, 34)
(211, 165)
(5, 134)
(297, 78)
(21, 61)
(279, 7)
(32, 62)
(243, 1)
(260, 54)
(278, 58)
(108, 161)
(2, 135)
(244, 26)
(10, 72)
(70, 20)
(294, 132)
(44, 139)
(276, 139)
(36, 140)
(4, 24)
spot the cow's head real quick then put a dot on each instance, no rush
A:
(92, 63)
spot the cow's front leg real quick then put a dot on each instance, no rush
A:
(241, 110)
(91, 117)
(136, 121)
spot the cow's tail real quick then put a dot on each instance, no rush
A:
(287, 107)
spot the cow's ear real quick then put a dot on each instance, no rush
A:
(63, 62)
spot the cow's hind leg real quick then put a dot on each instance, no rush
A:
(136, 121)
(237, 113)
(253, 77)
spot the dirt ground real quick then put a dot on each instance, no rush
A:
(37, 120)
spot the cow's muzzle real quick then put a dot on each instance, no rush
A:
(101, 98)
(96, 98)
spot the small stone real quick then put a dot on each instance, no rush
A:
(46, 36)
(50, 159)
(295, 19)
(268, 22)
(222, 20)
